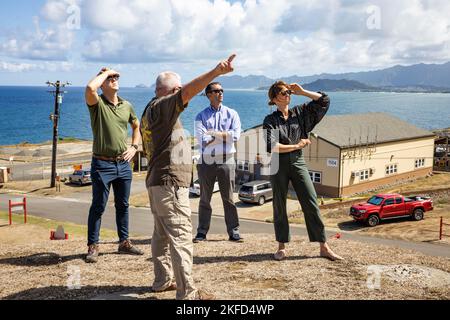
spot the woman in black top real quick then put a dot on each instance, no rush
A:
(287, 134)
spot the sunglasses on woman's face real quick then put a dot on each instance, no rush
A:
(286, 93)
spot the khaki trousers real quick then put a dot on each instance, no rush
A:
(172, 247)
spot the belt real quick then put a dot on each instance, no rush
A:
(116, 159)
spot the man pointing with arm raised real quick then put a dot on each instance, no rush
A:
(169, 175)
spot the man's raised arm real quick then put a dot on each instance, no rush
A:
(194, 87)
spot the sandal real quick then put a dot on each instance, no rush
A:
(280, 255)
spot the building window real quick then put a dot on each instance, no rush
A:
(420, 163)
(243, 166)
(391, 169)
(364, 175)
(316, 177)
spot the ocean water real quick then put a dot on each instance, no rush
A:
(25, 111)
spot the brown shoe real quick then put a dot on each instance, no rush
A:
(127, 248)
(171, 287)
(93, 251)
(203, 295)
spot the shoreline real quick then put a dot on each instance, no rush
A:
(45, 143)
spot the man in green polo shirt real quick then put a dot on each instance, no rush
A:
(110, 116)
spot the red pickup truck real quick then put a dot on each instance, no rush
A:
(391, 206)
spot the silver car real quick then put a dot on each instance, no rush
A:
(256, 192)
(80, 177)
(195, 189)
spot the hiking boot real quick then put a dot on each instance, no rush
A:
(127, 248)
(199, 237)
(203, 295)
(171, 287)
(93, 251)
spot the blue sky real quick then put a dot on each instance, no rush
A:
(40, 40)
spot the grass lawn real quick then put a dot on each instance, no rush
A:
(42, 227)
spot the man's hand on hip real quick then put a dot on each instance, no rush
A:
(129, 154)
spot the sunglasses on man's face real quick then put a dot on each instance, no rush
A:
(115, 78)
(217, 91)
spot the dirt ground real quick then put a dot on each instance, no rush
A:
(42, 269)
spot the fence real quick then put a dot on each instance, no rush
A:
(18, 205)
(441, 229)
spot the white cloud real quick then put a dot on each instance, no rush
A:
(57, 10)
(276, 38)
(285, 36)
(53, 43)
(39, 66)
(15, 67)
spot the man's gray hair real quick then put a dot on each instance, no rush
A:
(168, 80)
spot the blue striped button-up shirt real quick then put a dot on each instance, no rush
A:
(222, 120)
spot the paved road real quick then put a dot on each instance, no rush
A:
(42, 169)
(141, 222)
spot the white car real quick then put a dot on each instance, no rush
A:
(196, 188)
(81, 177)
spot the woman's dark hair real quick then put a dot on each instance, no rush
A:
(275, 89)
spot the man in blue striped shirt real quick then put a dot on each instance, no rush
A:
(217, 129)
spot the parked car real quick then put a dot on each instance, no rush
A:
(391, 206)
(256, 192)
(80, 177)
(195, 189)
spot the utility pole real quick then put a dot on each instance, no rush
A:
(54, 118)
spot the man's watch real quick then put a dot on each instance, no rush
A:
(135, 146)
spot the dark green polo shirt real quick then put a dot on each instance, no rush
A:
(110, 126)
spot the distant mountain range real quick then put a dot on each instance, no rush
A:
(415, 78)
(351, 85)
(333, 85)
